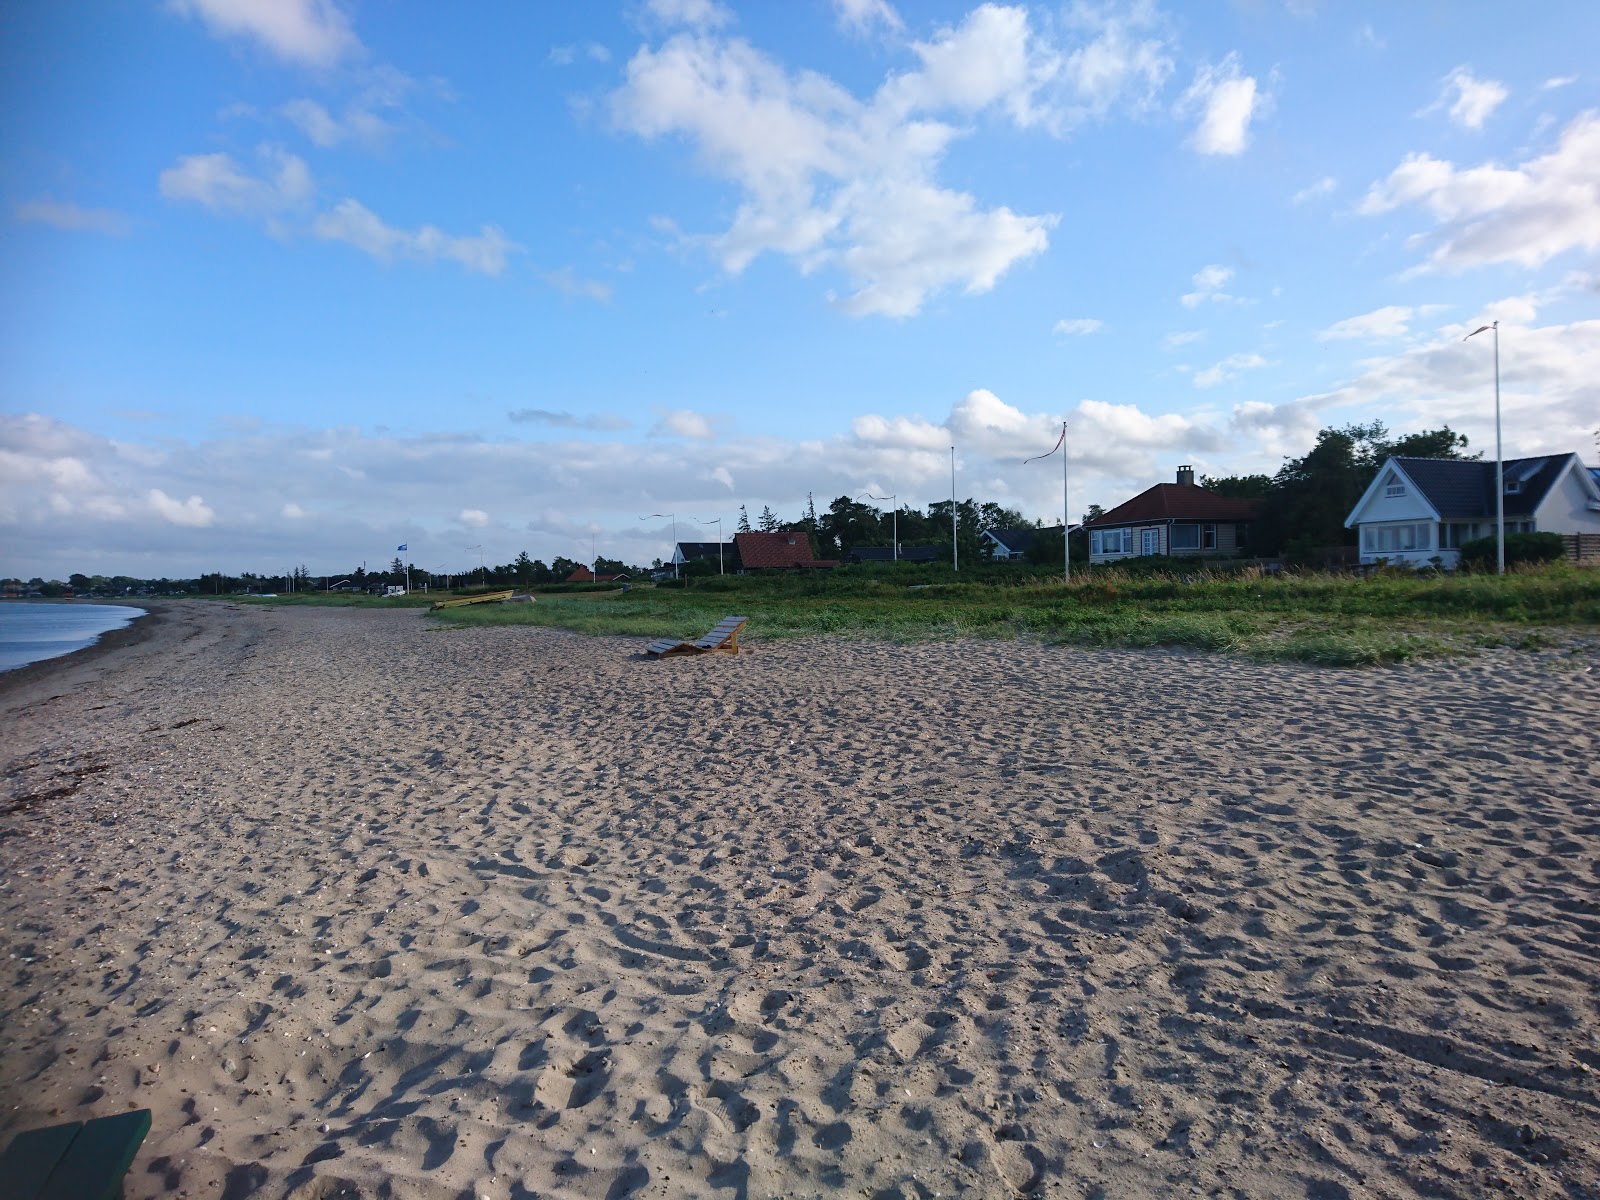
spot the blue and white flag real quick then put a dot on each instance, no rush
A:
(399, 548)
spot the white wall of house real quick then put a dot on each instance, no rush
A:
(1566, 507)
(1390, 504)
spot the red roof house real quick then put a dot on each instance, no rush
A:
(1179, 518)
(778, 551)
(584, 575)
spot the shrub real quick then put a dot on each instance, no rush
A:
(1480, 553)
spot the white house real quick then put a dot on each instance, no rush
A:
(1419, 509)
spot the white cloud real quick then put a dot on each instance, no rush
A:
(1226, 100)
(566, 420)
(1208, 284)
(567, 283)
(1558, 81)
(216, 182)
(684, 423)
(1126, 59)
(835, 182)
(1391, 321)
(1182, 337)
(706, 14)
(351, 222)
(1314, 191)
(1469, 100)
(192, 512)
(357, 124)
(862, 16)
(473, 518)
(293, 512)
(72, 217)
(1229, 368)
(310, 32)
(1078, 326)
(1526, 214)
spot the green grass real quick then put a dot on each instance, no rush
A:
(1320, 619)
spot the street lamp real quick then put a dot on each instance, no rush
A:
(1066, 520)
(955, 542)
(482, 570)
(674, 517)
(708, 521)
(1499, 458)
(870, 496)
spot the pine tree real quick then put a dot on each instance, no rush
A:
(769, 520)
(744, 520)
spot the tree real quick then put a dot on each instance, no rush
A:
(744, 520)
(397, 570)
(523, 566)
(848, 523)
(768, 520)
(1238, 487)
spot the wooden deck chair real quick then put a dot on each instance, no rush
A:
(724, 638)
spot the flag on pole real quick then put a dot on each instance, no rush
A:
(399, 548)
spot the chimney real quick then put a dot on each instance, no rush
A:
(1186, 474)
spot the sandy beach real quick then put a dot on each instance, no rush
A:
(361, 907)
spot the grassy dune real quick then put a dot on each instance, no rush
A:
(1332, 620)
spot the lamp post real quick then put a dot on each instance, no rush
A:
(1499, 456)
(955, 541)
(891, 499)
(674, 517)
(708, 521)
(479, 549)
(1066, 542)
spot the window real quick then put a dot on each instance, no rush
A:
(1208, 537)
(1186, 537)
(1110, 541)
(1150, 541)
(1395, 539)
(1395, 489)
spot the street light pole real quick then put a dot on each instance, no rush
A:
(955, 541)
(674, 517)
(1066, 543)
(892, 499)
(1499, 455)
(708, 521)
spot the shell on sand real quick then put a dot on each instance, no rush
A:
(357, 907)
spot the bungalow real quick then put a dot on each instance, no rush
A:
(1179, 518)
(884, 554)
(584, 575)
(778, 551)
(1007, 544)
(1420, 509)
(722, 555)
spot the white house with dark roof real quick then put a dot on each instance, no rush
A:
(1419, 509)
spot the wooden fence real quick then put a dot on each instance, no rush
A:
(1582, 548)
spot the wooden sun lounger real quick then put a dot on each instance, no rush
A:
(486, 598)
(77, 1161)
(724, 638)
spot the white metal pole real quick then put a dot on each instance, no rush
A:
(955, 541)
(1499, 459)
(895, 557)
(1066, 520)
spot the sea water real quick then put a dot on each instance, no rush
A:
(30, 632)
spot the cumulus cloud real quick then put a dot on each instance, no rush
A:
(704, 14)
(832, 181)
(1314, 191)
(356, 124)
(73, 217)
(1527, 214)
(1208, 283)
(293, 512)
(684, 423)
(1390, 321)
(1229, 368)
(863, 16)
(351, 222)
(193, 512)
(1182, 337)
(1225, 99)
(1469, 100)
(217, 182)
(312, 33)
(1078, 326)
(473, 518)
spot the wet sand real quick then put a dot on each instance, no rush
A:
(358, 906)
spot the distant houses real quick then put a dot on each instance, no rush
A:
(778, 551)
(584, 575)
(1177, 519)
(1420, 509)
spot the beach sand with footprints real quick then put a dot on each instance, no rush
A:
(359, 907)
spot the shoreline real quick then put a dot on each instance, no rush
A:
(138, 630)
(355, 905)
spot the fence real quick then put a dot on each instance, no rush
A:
(1582, 548)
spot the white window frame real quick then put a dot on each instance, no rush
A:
(1149, 542)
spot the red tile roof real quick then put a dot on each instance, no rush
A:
(1177, 502)
(769, 550)
(582, 575)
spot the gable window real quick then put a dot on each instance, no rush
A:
(1395, 489)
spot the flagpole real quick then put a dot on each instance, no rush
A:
(955, 540)
(1066, 520)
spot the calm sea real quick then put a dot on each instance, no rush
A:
(30, 632)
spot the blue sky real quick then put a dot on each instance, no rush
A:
(296, 281)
